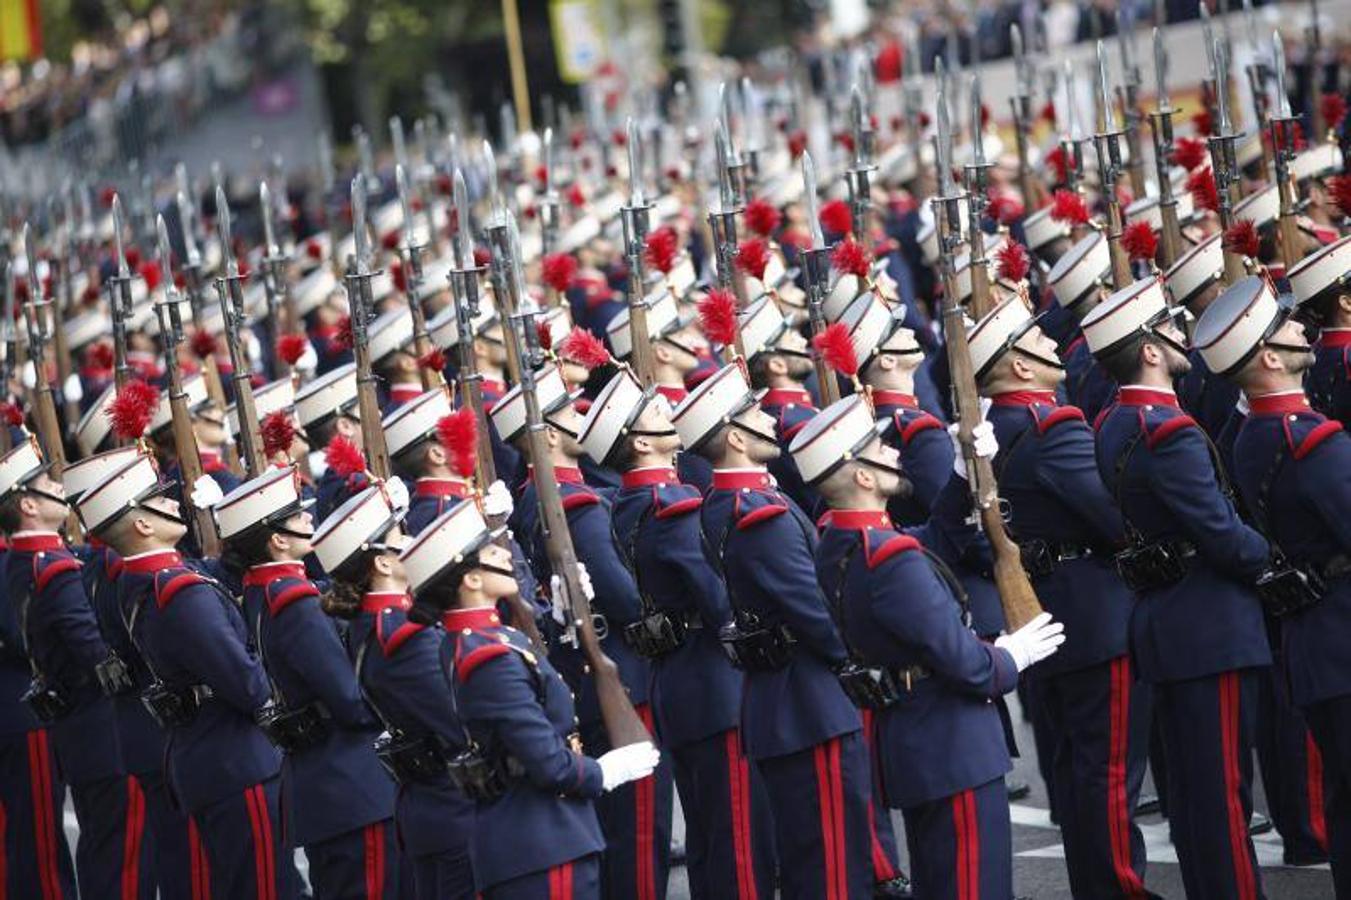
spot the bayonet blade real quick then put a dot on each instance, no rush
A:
(977, 138)
(494, 196)
(1221, 89)
(118, 250)
(360, 239)
(465, 243)
(1108, 108)
(226, 239)
(30, 254)
(1208, 37)
(944, 148)
(1161, 70)
(635, 148)
(186, 217)
(265, 203)
(405, 203)
(1278, 55)
(548, 161)
(809, 198)
(396, 139)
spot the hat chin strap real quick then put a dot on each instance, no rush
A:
(753, 432)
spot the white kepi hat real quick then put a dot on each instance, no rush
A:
(445, 543)
(268, 499)
(358, 525)
(1236, 325)
(834, 436)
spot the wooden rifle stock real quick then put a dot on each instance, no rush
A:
(1016, 595)
(818, 277)
(246, 411)
(372, 432)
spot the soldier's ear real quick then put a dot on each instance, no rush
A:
(436, 454)
(1344, 303)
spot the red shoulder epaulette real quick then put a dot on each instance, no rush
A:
(47, 566)
(1058, 415)
(579, 499)
(467, 664)
(890, 547)
(922, 422)
(390, 643)
(756, 516)
(1167, 429)
(169, 583)
(1320, 433)
(1102, 415)
(293, 591)
(678, 508)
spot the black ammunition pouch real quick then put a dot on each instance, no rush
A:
(174, 706)
(292, 730)
(48, 701)
(114, 676)
(755, 647)
(1154, 565)
(1041, 557)
(482, 776)
(867, 687)
(411, 760)
(1286, 589)
(656, 634)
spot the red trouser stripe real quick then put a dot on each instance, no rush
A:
(375, 861)
(738, 789)
(560, 882)
(962, 843)
(44, 819)
(1238, 823)
(201, 873)
(1118, 804)
(645, 799)
(824, 794)
(263, 863)
(883, 870)
(837, 804)
(1314, 770)
(131, 845)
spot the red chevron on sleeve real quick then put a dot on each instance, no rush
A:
(43, 574)
(679, 508)
(166, 590)
(1168, 429)
(467, 664)
(918, 424)
(1058, 415)
(1318, 435)
(892, 546)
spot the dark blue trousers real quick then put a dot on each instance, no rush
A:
(576, 880)
(36, 860)
(729, 833)
(441, 876)
(819, 798)
(961, 847)
(1289, 763)
(881, 834)
(111, 852)
(362, 864)
(1101, 716)
(241, 840)
(636, 820)
(1044, 738)
(1208, 733)
(1330, 722)
(167, 853)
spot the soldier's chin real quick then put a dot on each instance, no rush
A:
(1179, 367)
(901, 488)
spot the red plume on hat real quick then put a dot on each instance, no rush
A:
(1005, 209)
(150, 271)
(752, 257)
(717, 317)
(797, 143)
(1201, 185)
(1139, 241)
(203, 343)
(583, 348)
(1242, 238)
(11, 414)
(132, 409)
(343, 339)
(1061, 161)
(458, 434)
(482, 257)
(836, 218)
(1189, 153)
(101, 355)
(837, 349)
(1067, 206)
(314, 250)
(849, 258)
(1339, 186)
(1012, 262)
(762, 217)
(279, 432)
(660, 251)
(290, 347)
(434, 360)
(558, 270)
(1202, 123)
(1047, 113)
(576, 197)
(398, 277)
(1333, 107)
(344, 458)
(545, 335)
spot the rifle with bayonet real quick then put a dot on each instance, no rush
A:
(328, 201)
(1258, 73)
(63, 300)
(622, 724)
(635, 221)
(503, 279)
(977, 180)
(1314, 37)
(119, 300)
(818, 284)
(548, 202)
(362, 311)
(275, 288)
(857, 177)
(1224, 162)
(1161, 125)
(230, 292)
(9, 343)
(464, 284)
(412, 250)
(1282, 129)
(1033, 191)
(1015, 590)
(38, 318)
(1129, 92)
(169, 309)
(1209, 84)
(1072, 145)
(722, 221)
(1107, 143)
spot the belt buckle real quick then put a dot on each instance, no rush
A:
(574, 741)
(909, 687)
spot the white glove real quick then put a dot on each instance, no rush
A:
(309, 360)
(29, 376)
(982, 436)
(585, 578)
(397, 492)
(497, 502)
(1033, 642)
(1244, 409)
(206, 493)
(72, 390)
(559, 609)
(628, 764)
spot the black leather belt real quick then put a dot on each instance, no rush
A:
(909, 676)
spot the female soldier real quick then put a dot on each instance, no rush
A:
(338, 802)
(535, 828)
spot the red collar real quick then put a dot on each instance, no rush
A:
(740, 479)
(378, 601)
(1133, 396)
(562, 474)
(1335, 338)
(1278, 404)
(266, 573)
(37, 541)
(478, 617)
(635, 478)
(152, 562)
(786, 397)
(895, 398)
(672, 392)
(856, 518)
(1024, 398)
(493, 388)
(440, 487)
(405, 391)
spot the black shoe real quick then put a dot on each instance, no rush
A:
(1300, 859)
(897, 888)
(1148, 805)
(1017, 790)
(1259, 824)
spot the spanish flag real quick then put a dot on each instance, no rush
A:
(20, 30)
